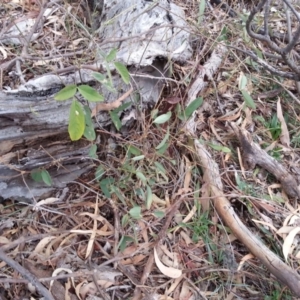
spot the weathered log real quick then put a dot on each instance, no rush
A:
(33, 126)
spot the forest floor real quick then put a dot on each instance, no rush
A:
(143, 224)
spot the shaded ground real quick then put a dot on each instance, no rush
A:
(146, 195)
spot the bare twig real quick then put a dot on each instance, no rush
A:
(285, 52)
(26, 274)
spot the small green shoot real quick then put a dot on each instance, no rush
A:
(135, 213)
(41, 175)
(243, 89)
(80, 122)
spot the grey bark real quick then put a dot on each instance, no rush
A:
(33, 126)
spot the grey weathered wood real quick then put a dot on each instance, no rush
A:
(33, 126)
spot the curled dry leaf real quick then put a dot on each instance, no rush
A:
(284, 136)
(168, 271)
(78, 288)
(91, 289)
(90, 245)
(45, 202)
(57, 271)
(41, 245)
(288, 242)
(243, 260)
(185, 292)
(284, 230)
(188, 174)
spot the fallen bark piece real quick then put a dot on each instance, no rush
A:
(275, 265)
(146, 35)
(254, 155)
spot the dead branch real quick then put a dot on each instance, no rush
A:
(30, 277)
(283, 272)
(254, 155)
(212, 178)
(286, 52)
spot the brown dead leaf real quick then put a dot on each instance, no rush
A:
(112, 105)
(167, 271)
(185, 292)
(188, 174)
(243, 260)
(40, 247)
(266, 224)
(186, 237)
(91, 288)
(144, 231)
(287, 246)
(231, 116)
(44, 202)
(284, 136)
(94, 233)
(134, 260)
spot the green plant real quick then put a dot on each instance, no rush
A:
(80, 120)
(246, 95)
(41, 175)
(199, 226)
(274, 127)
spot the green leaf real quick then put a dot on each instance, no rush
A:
(116, 120)
(140, 157)
(112, 55)
(99, 173)
(46, 177)
(219, 148)
(122, 107)
(76, 121)
(154, 113)
(224, 35)
(248, 99)
(149, 197)
(119, 194)
(160, 167)
(163, 149)
(165, 139)
(123, 242)
(89, 131)
(201, 10)
(66, 93)
(162, 118)
(105, 185)
(100, 77)
(159, 214)
(90, 93)
(160, 170)
(105, 81)
(141, 176)
(134, 150)
(125, 220)
(242, 82)
(135, 212)
(88, 116)
(193, 106)
(122, 70)
(93, 152)
(36, 175)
